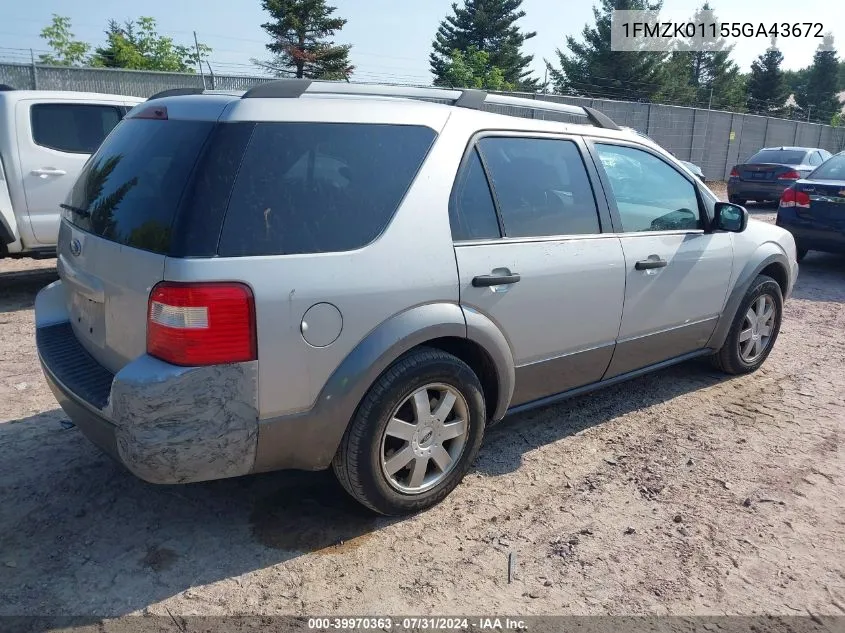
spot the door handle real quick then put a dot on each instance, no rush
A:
(48, 171)
(653, 261)
(484, 281)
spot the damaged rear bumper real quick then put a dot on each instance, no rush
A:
(166, 424)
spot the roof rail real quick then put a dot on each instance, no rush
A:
(466, 98)
(176, 92)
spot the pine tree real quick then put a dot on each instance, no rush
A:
(301, 32)
(592, 69)
(767, 91)
(490, 27)
(703, 75)
(818, 97)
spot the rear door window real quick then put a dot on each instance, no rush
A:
(75, 128)
(541, 186)
(320, 187)
(130, 189)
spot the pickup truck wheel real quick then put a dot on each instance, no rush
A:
(754, 330)
(415, 434)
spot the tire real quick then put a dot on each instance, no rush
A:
(800, 254)
(737, 200)
(364, 457)
(730, 358)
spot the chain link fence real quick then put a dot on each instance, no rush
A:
(712, 139)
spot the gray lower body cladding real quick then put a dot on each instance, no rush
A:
(166, 424)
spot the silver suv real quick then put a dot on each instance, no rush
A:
(317, 274)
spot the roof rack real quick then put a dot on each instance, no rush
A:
(474, 99)
(176, 92)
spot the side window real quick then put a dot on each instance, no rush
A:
(815, 159)
(650, 195)
(471, 210)
(320, 187)
(541, 186)
(77, 128)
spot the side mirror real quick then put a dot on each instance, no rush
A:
(730, 217)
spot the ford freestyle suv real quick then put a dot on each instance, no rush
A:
(314, 275)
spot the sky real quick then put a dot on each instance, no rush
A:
(391, 38)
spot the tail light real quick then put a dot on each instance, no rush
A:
(201, 324)
(734, 173)
(792, 198)
(789, 175)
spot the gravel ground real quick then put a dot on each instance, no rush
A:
(684, 492)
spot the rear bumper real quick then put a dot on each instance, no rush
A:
(166, 424)
(808, 235)
(757, 190)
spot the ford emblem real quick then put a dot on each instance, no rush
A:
(75, 247)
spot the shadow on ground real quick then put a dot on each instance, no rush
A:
(81, 536)
(18, 288)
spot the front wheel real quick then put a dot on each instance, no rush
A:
(754, 330)
(415, 435)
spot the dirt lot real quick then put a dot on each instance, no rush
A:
(684, 492)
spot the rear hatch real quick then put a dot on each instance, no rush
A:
(116, 230)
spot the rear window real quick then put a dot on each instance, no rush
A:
(320, 187)
(72, 127)
(833, 169)
(780, 156)
(128, 192)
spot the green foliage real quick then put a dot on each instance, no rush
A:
(767, 90)
(66, 50)
(592, 69)
(692, 77)
(485, 26)
(138, 46)
(472, 69)
(819, 94)
(836, 119)
(301, 31)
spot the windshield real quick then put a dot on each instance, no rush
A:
(832, 169)
(781, 156)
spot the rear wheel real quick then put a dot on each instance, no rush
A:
(754, 330)
(415, 435)
(737, 200)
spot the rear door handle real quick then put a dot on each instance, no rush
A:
(48, 171)
(653, 261)
(484, 281)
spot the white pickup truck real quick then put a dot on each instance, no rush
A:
(45, 139)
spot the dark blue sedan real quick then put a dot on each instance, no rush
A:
(813, 209)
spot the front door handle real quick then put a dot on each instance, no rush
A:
(484, 281)
(653, 261)
(48, 171)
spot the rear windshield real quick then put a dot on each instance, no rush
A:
(187, 188)
(832, 169)
(780, 156)
(130, 189)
